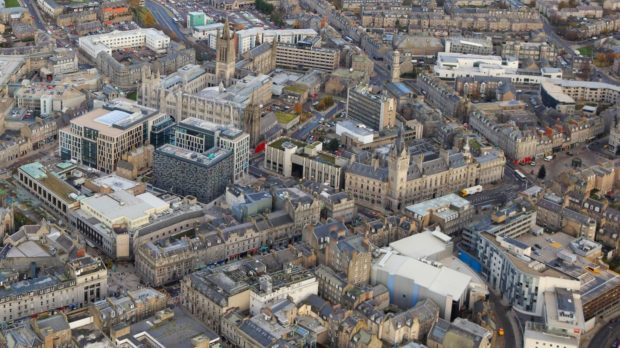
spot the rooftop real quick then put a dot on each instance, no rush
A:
(51, 181)
(450, 201)
(206, 159)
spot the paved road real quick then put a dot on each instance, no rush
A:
(606, 336)
(34, 12)
(163, 19)
(501, 313)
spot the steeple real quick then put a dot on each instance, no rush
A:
(225, 56)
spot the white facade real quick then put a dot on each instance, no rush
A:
(151, 38)
(355, 130)
(250, 38)
(296, 291)
(239, 144)
(454, 65)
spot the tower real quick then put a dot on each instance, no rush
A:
(251, 121)
(395, 66)
(225, 56)
(398, 166)
(274, 54)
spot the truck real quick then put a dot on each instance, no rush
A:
(471, 190)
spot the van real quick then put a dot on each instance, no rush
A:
(548, 158)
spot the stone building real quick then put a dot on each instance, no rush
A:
(412, 174)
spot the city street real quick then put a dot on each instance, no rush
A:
(163, 19)
(34, 12)
(502, 320)
(606, 335)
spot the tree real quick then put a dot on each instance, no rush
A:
(333, 145)
(542, 172)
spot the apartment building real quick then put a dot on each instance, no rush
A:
(64, 61)
(184, 172)
(536, 51)
(289, 157)
(305, 56)
(376, 111)
(199, 136)
(563, 94)
(99, 138)
(150, 38)
(519, 140)
(478, 46)
(407, 175)
(112, 12)
(441, 96)
(76, 284)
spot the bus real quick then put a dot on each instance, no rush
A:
(520, 175)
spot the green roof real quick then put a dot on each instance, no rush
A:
(297, 88)
(50, 181)
(278, 143)
(285, 117)
(327, 157)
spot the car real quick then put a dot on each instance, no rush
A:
(569, 153)
(533, 164)
(536, 245)
(500, 331)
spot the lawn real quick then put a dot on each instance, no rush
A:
(12, 3)
(297, 88)
(586, 51)
(132, 95)
(285, 117)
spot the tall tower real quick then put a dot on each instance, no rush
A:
(395, 66)
(225, 57)
(398, 166)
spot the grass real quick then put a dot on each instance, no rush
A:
(132, 95)
(299, 89)
(327, 158)
(12, 3)
(278, 143)
(285, 117)
(586, 51)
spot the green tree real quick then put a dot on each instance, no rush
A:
(542, 172)
(333, 145)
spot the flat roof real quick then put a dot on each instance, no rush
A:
(51, 181)
(450, 200)
(556, 92)
(422, 244)
(208, 158)
(122, 204)
(115, 182)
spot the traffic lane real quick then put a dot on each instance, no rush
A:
(606, 335)
(163, 18)
(500, 315)
(35, 14)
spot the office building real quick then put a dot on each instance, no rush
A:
(197, 19)
(565, 94)
(99, 138)
(184, 172)
(290, 157)
(535, 51)
(199, 136)
(304, 55)
(248, 39)
(375, 111)
(357, 131)
(150, 38)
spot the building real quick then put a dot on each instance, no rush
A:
(113, 12)
(560, 94)
(167, 328)
(49, 187)
(136, 305)
(289, 157)
(478, 46)
(208, 294)
(46, 99)
(209, 33)
(64, 61)
(441, 96)
(304, 55)
(454, 65)
(614, 138)
(357, 131)
(153, 39)
(197, 19)
(75, 284)
(119, 222)
(376, 111)
(99, 138)
(463, 331)
(170, 259)
(248, 39)
(407, 175)
(535, 51)
(410, 280)
(450, 212)
(202, 175)
(199, 136)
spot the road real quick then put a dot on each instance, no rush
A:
(164, 20)
(606, 335)
(500, 316)
(34, 12)
(507, 191)
(304, 131)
